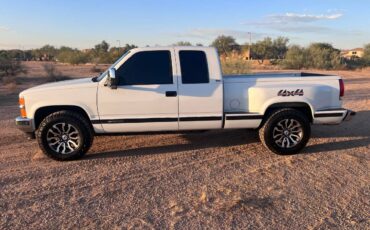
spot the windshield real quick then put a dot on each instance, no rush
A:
(114, 64)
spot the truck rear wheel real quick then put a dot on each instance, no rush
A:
(64, 135)
(286, 131)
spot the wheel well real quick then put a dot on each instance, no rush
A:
(43, 112)
(300, 106)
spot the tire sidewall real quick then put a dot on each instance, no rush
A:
(46, 125)
(272, 122)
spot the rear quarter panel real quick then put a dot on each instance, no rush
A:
(255, 95)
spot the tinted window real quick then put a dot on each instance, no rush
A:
(194, 67)
(146, 68)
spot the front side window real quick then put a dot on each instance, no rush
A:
(194, 67)
(146, 68)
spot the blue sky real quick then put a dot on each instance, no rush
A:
(83, 23)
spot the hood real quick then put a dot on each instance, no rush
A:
(68, 84)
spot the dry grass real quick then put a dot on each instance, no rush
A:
(235, 67)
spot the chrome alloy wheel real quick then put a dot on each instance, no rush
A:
(287, 133)
(63, 138)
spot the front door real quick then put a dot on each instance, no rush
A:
(146, 96)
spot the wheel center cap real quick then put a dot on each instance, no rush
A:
(286, 132)
(64, 137)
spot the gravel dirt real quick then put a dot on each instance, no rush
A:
(216, 179)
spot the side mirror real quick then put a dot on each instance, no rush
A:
(112, 80)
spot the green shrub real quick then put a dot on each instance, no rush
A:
(366, 57)
(296, 58)
(52, 73)
(323, 56)
(73, 57)
(9, 66)
(317, 55)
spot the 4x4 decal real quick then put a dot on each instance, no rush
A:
(286, 93)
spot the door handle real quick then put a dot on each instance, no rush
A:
(171, 94)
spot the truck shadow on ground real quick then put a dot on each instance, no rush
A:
(357, 128)
(194, 141)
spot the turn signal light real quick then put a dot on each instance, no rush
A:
(22, 107)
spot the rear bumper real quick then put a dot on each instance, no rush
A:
(333, 116)
(25, 124)
(349, 115)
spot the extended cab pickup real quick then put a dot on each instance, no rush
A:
(179, 89)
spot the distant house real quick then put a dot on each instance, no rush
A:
(247, 54)
(353, 53)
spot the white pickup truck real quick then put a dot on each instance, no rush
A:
(178, 89)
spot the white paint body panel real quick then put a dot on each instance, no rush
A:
(139, 101)
(80, 92)
(201, 100)
(255, 93)
(249, 95)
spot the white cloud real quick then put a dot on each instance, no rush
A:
(213, 33)
(296, 23)
(293, 17)
(3, 29)
(304, 29)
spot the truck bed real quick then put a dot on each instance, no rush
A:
(252, 93)
(277, 77)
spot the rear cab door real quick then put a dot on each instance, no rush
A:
(200, 88)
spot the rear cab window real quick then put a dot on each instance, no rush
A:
(194, 67)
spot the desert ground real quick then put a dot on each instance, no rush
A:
(216, 179)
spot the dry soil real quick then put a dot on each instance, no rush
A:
(218, 179)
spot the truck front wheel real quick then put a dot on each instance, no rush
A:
(286, 131)
(64, 135)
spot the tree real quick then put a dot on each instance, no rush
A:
(366, 57)
(296, 58)
(183, 43)
(115, 53)
(72, 56)
(317, 55)
(262, 50)
(280, 47)
(102, 47)
(323, 56)
(225, 44)
(49, 52)
(268, 49)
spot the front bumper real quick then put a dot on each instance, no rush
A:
(25, 124)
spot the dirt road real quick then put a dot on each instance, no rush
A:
(188, 181)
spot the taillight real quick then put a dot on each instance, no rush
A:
(341, 88)
(22, 107)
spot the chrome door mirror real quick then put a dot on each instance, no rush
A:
(112, 80)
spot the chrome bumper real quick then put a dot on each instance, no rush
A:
(349, 115)
(24, 124)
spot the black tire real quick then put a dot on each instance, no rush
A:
(65, 130)
(278, 138)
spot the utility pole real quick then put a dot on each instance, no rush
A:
(250, 45)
